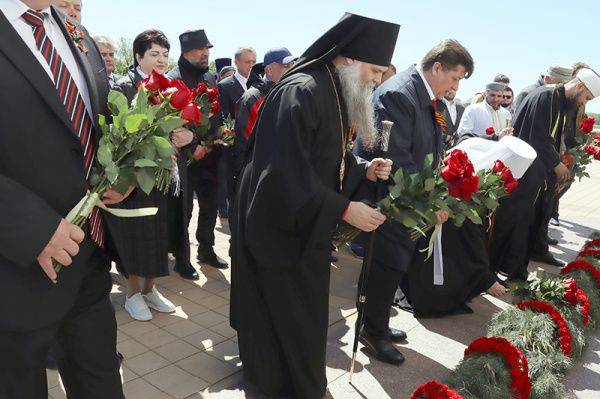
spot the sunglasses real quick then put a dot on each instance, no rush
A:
(507, 97)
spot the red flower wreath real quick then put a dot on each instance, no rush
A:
(564, 335)
(434, 390)
(590, 252)
(582, 265)
(575, 296)
(593, 243)
(517, 362)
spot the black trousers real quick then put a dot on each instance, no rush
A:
(383, 282)
(86, 341)
(206, 194)
(545, 208)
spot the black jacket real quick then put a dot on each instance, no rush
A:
(41, 178)
(230, 91)
(206, 168)
(404, 100)
(245, 118)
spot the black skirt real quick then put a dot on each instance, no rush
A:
(467, 271)
(142, 243)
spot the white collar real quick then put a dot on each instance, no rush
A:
(14, 9)
(241, 79)
(448, 102)
(140, 72)
(431, 95)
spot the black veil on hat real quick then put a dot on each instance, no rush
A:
(354, 36)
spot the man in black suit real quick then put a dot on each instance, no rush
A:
(43, 169)
(231, 90)
(410, 100)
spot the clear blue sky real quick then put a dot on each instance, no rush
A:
(517, 38)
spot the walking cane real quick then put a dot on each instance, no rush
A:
(367, 260)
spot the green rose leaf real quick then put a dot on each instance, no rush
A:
(104, 155)
(144, 163)
(170, 123)
(163, 146)
(112, 172)
(134, 122)
(145, 179)
(117, 102)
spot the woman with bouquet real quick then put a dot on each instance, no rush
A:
(142, 243)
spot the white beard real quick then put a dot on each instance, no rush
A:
(359, 105)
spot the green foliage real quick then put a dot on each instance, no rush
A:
(535, 335)
(482, 376)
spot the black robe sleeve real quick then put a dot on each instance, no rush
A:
(537, 126)
(293, 203)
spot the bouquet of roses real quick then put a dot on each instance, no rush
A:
(455, 188)
(135, 150)
(225, 137)
(584, 152)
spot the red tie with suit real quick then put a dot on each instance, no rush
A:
(74, 105)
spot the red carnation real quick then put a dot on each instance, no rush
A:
(216, 106)
(520, 384)
(212, 93)
(201, 88)
(575, 296)
(191, 113)
(490, 130)
(581, 264)
(595, 253)
(498, 167)
(434, 390)
(594, 243)
(464, 188)
(156, 81)
(199, 152)
(564, 334)
(587, 125)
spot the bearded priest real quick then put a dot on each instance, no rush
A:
(292, 194)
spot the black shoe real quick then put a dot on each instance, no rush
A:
(187, 272)
(548, 259)
(552, 241)
(212, 259)
(332, 258)
(382, 348)
(555, 222)
(397, 335)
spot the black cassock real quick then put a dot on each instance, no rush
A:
(467, 271)
(539, 121)
(287, 205)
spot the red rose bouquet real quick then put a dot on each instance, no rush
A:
(490, 131)
(134, 150)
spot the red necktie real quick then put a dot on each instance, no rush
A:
(74, 104)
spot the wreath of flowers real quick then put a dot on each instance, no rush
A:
(564, 335)
(435, 390)
(590, 252)
(517, 362)
(581, 264)
(594, 243)
(575, 296)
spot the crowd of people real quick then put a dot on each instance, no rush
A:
(305, 159)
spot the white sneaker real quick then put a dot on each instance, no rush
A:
(137, 308)
(158, 302)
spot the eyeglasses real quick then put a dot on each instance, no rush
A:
(507, 97)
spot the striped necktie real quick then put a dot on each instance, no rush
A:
(74, 104)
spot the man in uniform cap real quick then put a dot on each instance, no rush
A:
(554, 75)
(292, 194)
(487, 119)
(540, 122)
(220, 64)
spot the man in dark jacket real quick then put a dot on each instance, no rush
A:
(409, 100)
(276, 63)
(201, 176)
(39, 184)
